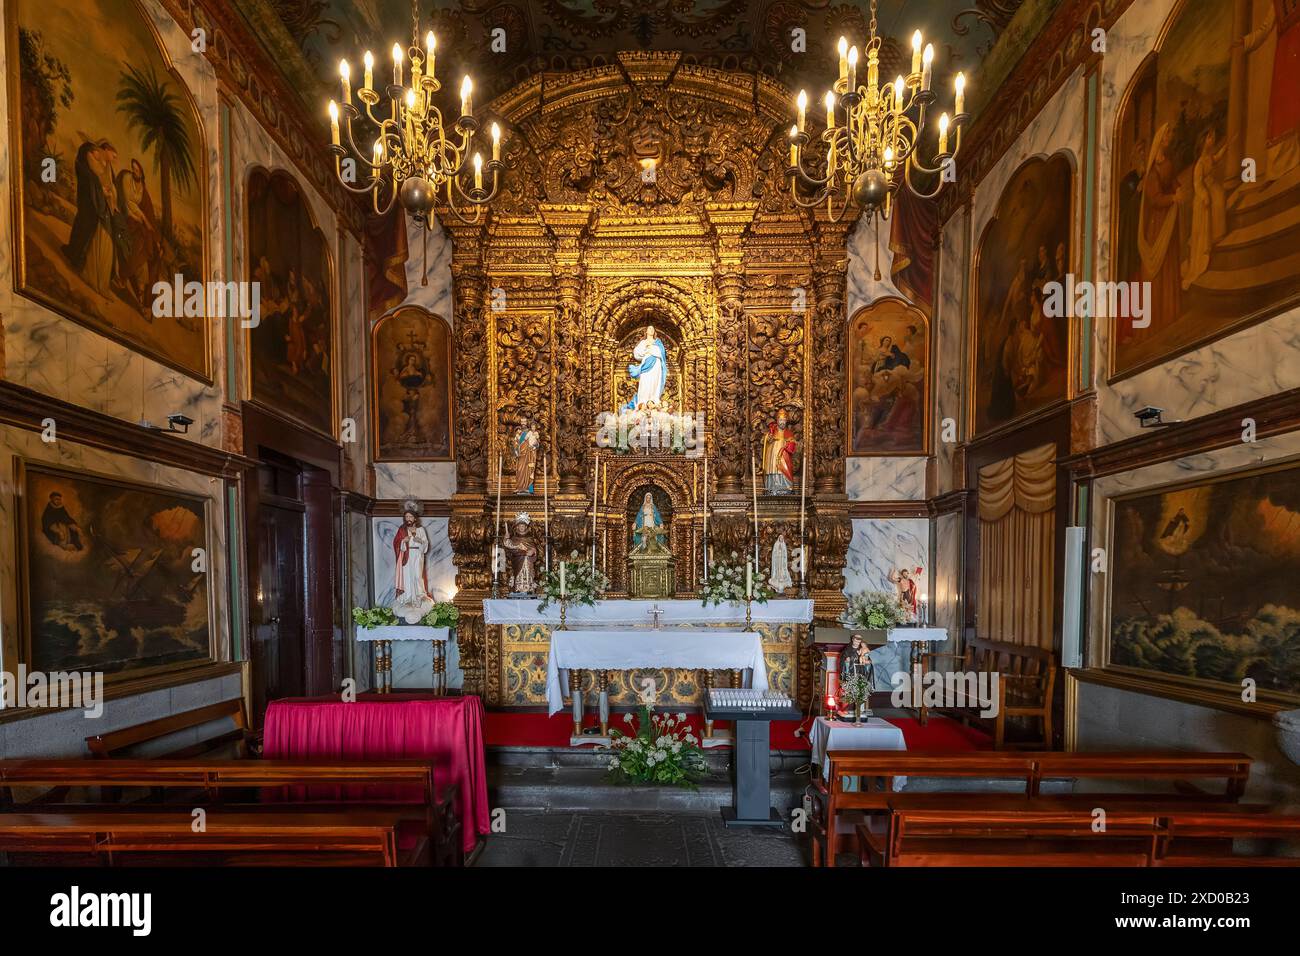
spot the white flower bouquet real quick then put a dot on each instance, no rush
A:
(583, 584)
(726, 584)
(660, 750)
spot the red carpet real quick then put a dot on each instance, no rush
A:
(508, 728)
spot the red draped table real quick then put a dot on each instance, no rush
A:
(448, 732)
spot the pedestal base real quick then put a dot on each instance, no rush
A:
(730, 819)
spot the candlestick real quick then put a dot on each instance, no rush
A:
(961, 94)
(466, 106)
(369, 60)
(916, 52)
(794, 146)
(749, 581)
(803, 495)
(496, 143)
(927, 65)
(844, 61)
(595, 479)
(546, 511)
(943, 133)
(501, 464)
(430, 44)
(478, 171)
(563, 591)
(853, 69)
(830, 110)
(802, 103)
(753, 469)
(397, 64)
(706, 518)
(334, 122)
(345, 74)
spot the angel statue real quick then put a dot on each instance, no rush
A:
(649, 535)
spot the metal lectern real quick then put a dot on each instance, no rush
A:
(751, 713)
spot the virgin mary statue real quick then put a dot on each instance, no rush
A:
(648, 533)
(649, 370)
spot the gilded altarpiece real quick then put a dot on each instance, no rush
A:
(644, 202)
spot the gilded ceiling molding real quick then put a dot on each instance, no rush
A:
(1062, 46)
(244, 70)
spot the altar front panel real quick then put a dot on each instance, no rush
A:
(525, 649)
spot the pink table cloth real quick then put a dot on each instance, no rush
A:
(447, 731)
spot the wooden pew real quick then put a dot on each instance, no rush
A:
(1019, 831)
(1026, 771)
(115, 743)
(233, 839)
(1203, 837)
(1026, 678)
(267, 786)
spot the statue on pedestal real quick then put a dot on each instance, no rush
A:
(650, 371)
(779, 445)
(652, 568)
(649, 536)
(410, 549)
(522, 546)
(780, 577)
(526, 440)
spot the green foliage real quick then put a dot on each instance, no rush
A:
(372, 617)
(662, 750)
(444, 614)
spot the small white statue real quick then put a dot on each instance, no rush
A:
(780, 576)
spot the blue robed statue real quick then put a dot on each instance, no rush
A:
(648, 535)
(649, 370)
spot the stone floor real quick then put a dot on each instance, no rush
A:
(604, 838)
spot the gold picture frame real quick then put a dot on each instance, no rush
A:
(448, 382)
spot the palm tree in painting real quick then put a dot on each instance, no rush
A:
(157, 116)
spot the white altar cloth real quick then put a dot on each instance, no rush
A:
(637, 613)
(698, 648)
(403, 632)
(873, 734)
(913, 634)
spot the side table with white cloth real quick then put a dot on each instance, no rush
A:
(874, 733)
(381, 639)
(602, 650)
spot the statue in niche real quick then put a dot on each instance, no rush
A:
(526, 441)
(779, 446)
(650, 370)
(649, 536)
(410, 551)
(522, 547)
(780, 577)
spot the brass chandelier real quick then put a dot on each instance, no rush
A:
(873, 133)
(415, 155)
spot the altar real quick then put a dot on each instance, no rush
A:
(616, 647)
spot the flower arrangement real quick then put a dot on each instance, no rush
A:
(444, 614)
(372, 617)
(660, 750)
(876, 610)
(583, 584)
(726, 583)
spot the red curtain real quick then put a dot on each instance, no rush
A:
(448, 732)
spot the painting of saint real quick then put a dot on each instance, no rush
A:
(291, 348)
(110, 179)
(1206, 584)
(1021, 353)
(889, 353)
(1214, 243)
(411, 351)
(110, 574)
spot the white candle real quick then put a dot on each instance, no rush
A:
(369, 60)
(546, 514)
(563, 591)
(927, 61)
(706, 517)
(344, 78)
(753, 469)
(397, 64)
(749, 580)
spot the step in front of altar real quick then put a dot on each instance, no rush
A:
(578, 788)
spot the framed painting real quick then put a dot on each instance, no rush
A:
(109, 174)
(107, 574)
(291, 350)
(1206, 164)
(889, 362)
(1021, 356)
(1205, 585)
(411, 387)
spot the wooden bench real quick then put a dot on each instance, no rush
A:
(1026, 678)
(117, 742)
(231, 839)
(991, 830)
(876, 770)
(268, 786)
